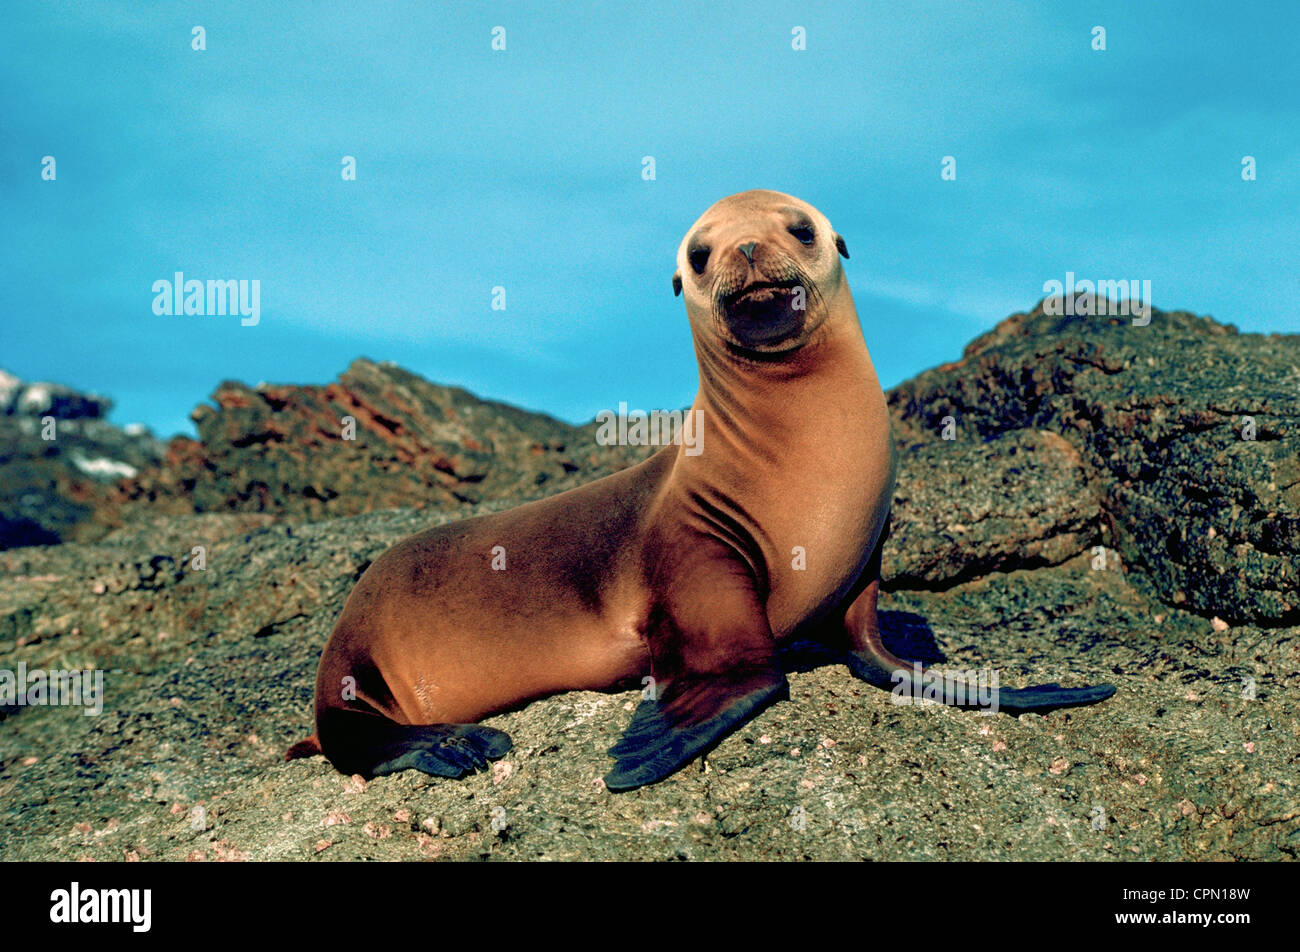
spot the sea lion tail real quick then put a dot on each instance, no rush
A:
(304, 748)
(367, 743)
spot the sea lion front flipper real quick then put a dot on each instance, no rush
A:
(694, 715)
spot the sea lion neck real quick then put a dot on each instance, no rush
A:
(758, 396)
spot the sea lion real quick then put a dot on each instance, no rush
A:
(688, 569)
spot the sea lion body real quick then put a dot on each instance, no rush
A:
(688, 569)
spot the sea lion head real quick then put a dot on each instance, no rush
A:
(761, 271)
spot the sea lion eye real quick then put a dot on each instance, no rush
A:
(699, 259)
(804, 235)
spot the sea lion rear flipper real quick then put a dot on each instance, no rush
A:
(444, 750)
(870, 660)
(695, 714)
(889, 673)
(1049, 697)
(371, 745)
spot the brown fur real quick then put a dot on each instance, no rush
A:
(680, 568)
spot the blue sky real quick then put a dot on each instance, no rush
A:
(522, 169)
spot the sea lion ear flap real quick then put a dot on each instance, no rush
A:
(839, 243)
(677, 283)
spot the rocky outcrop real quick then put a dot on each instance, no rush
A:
(1189, 431)
(378, 438)
(1175, 442)
(207, 608)
(963, 509)
(59, 461)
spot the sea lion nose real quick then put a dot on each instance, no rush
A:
(747, 250)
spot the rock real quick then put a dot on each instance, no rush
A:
(1160, 416)
(51, 489)
(963, 508)
(378, 438)
(40, 399)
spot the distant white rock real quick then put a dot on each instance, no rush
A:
(101, 467)
(40, 398)
(9, 387)
(35, 398)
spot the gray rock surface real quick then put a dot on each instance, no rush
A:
(964, 508)
(209, 678)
